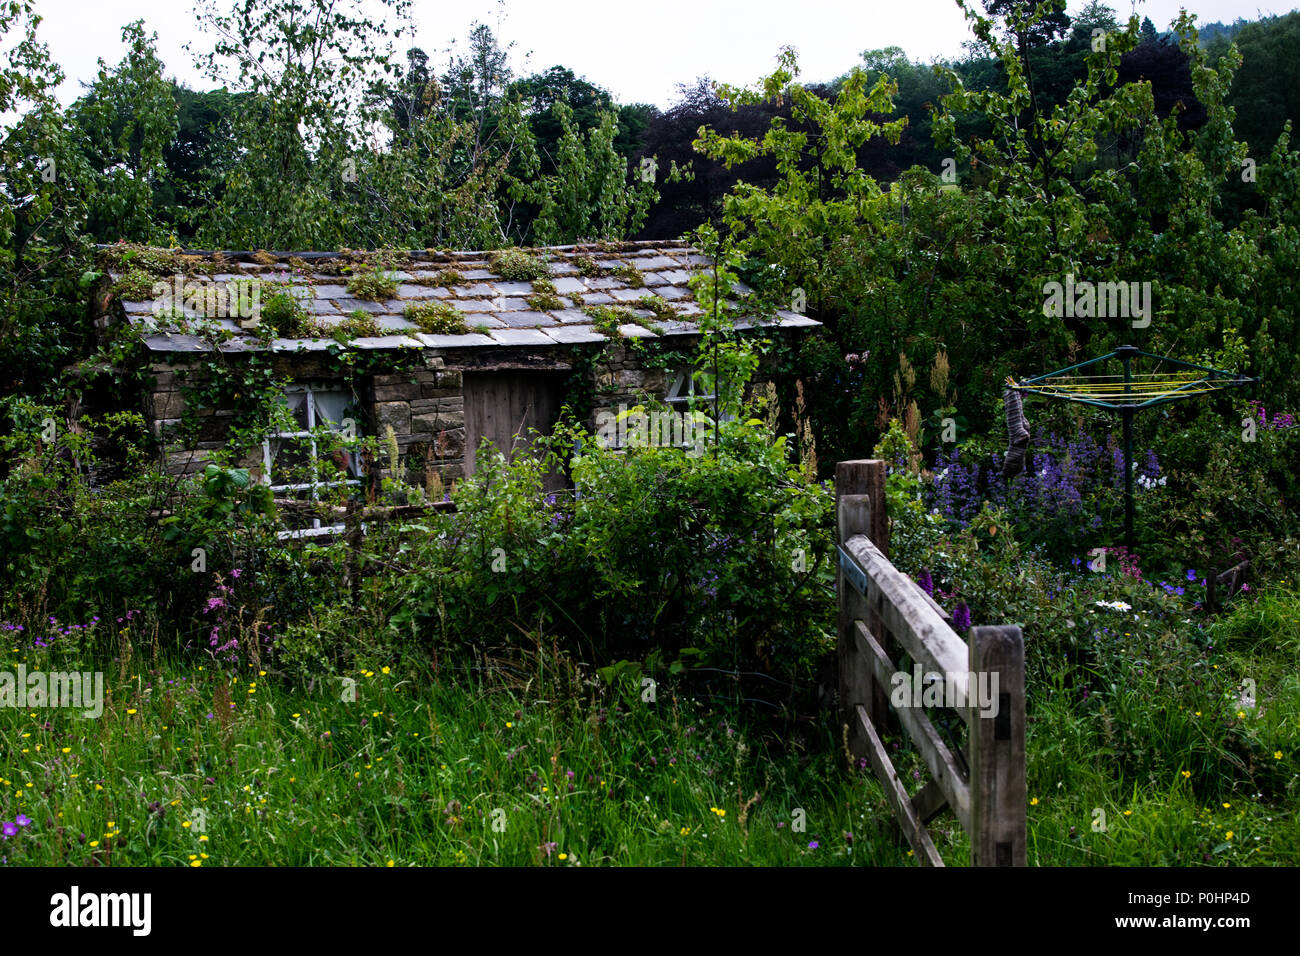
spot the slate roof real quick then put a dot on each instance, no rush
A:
(497, 311)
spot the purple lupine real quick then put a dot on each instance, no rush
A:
(925, 582)
(960, 617)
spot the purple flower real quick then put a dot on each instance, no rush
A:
(10, 828)
(814, 845)
(926, 582)
(23, 821)
(960, 617)
(1191, 574)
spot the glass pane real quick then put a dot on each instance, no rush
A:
(296, 402)
(289, 460)
(331, 407)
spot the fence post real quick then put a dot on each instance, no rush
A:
(859, 509)
(997, 748)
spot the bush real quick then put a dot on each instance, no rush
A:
(723, 559)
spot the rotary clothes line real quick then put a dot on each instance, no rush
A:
(1127, 392)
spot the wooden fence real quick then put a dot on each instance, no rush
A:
(882, 612)
(1230, 581)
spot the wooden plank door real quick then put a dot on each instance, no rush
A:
(502, 406)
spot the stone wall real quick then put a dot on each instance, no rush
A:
(425, 405)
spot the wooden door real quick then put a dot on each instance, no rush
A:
(502, 407)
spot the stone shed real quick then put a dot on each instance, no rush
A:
(430, 351)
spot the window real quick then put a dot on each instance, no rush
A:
(685, 393)
(294, 462)
(682, 392)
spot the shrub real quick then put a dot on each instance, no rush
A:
(658, 555)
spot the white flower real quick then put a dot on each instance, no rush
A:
(1114, 605)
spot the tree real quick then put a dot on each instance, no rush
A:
(1266, 92)
(588, 197)
(44, 252)
(1020, 21)
(198, 158)
(308, 66)
(126, 121)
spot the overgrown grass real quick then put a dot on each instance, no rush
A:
(198, 766)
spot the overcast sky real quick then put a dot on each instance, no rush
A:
(637, 49)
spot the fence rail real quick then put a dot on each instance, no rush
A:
(1230, 581)
(882, 614)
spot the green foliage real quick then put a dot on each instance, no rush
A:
(662, 551)
(437, 318)
(358, 324)
(447, 277)
(589, 196)
(662, 308)
(606, 319)
(545, 301)
(283, 312)
(125, 121)
(629, 274)
(376, 286)
(586, 266)
(135, 286)
(518, 265)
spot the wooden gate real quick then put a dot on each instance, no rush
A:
(882, 613)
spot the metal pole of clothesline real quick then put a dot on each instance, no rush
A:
(1125, 352)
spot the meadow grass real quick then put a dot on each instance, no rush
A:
(198, 766)
(532, 760)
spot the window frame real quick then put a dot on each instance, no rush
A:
(310, 389)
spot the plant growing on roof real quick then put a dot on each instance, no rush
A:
(662, 308)
(282, 312)
(586, 266)
(358, 324)
(606, 319)
(629, 274)
(545, 301)
(518, 265)
(436, 318)
(375, 286)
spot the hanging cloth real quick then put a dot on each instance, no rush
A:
(1017, 435)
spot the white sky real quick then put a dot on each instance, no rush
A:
(637, 49)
